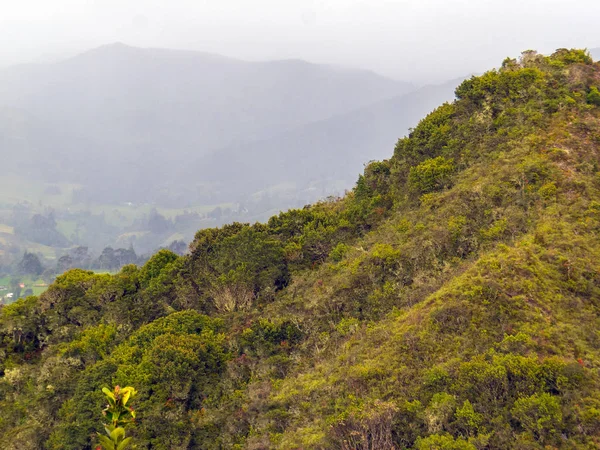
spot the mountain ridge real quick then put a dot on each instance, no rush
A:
(450, 301)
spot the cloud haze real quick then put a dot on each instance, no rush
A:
(410, 39)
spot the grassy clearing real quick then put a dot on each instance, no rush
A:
(66, 227)
(6, 229)
(38, 286)
(15, 189)
(120, 215)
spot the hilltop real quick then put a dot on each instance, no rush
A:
(449, 301)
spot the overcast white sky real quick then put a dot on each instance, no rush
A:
(422, 40)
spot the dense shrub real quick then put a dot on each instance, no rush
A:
(431, 175)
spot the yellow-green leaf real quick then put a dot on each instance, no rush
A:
(117, 434)
(123, 445)
(106, 443)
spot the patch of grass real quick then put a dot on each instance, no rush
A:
(66, 227)
(6, 229)
(38, 286)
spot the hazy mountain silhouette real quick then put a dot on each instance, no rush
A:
(328, 151)
(136, 114)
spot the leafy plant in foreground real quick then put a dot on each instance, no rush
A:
(118, 415)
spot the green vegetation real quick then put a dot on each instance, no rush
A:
(593, 96)
(118, 415)
(431, 175)
(450, 301)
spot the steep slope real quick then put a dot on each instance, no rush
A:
(140, 110)
(450, 301)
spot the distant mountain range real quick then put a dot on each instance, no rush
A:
(134, 113)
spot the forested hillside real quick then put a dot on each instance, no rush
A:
(450, 301)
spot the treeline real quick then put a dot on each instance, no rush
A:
(110, 260)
